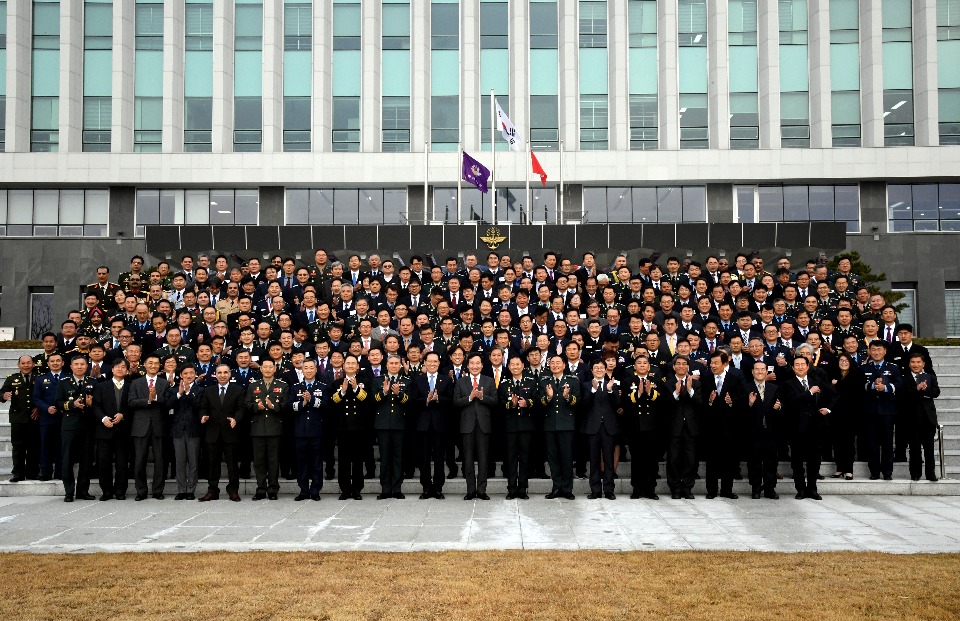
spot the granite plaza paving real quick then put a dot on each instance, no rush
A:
(896, 524)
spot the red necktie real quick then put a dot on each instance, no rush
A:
(475, 386)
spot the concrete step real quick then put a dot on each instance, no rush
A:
(455, 488)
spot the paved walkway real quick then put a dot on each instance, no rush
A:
(899, 524)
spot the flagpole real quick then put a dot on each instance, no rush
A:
(459, 180)
(426, 181)
(560, 215)
(493, 154)
(527, 176)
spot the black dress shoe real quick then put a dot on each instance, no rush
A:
(814, 496)
(594, 496)
(124, 496)
(652, 497)
(259, 496)
(140, 497)
(711, 495)
(302, 496)
(568, 496)
(44, 478)
(729, 495)
(158, 496)
(933, 479)
(426, 496)
(676, 495)
(610, 496)
(345, 496)
(771, 495)
(68, 498)
(523, 495)
(439, 496)
(315, 497)
(17, 479)
(756, 495)
(887, 477)
(106, 497)
(180, 497)
(399, 496)
(510, 496)
(86, 496)
(483, 496)
(800, 496)
(914, 478)
(272, 497)
(553, 494)
(384, 496)
(636, 496)
(469, 496)
(357, 496)
(874, 477)
(189, 497)
(688, 495)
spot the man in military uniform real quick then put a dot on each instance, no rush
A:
(559, 394)
(352, 429)
(24, 433)
(518, 394)
(266, 397)
(391, 393)
(104, 290)
(884, 381)
(74, 402)
(307, 399)
(642, 400)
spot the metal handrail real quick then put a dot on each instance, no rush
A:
(943, 465)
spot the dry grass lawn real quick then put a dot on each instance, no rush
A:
(480, 585)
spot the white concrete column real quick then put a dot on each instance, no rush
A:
(17, 74)
(371, 56)
(821, 117)
(123, 56)
(871, 74)
(768, 42)
(272, 94)
(718, 71)
(223, 72)
(926, 105)
(618, 75)
(71, 75)
(321, 138)
(669, 82)
(470, 74)
(420, 75)
(520, 68)
(173, 44)
(569, 86)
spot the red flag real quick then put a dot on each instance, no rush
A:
(538, 169)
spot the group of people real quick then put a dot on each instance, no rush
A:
(543, 367)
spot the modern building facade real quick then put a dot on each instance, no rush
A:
(685, 126)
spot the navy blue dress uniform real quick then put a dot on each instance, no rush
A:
(45, 397)
(308, 401)
(113, 443)
(390, 422)
(642, 401)
(600, 425)
(559, 426)
(352, 432)
(921, 413)
(266, 432)
(519, 426)
(434, 422)
(24, 429)
(723, 420)
(807, 425)
(76, 434)
(880, 412)
(761, 426)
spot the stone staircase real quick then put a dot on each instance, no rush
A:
(946, 362)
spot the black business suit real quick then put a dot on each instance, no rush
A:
(722, 421)
(806, 423)
(761, 428)
(921, 414)
(220, 438)
(684, 426)
(112, 442)
(847, 417)
(600, 425)
(148, 429)
(434, 420)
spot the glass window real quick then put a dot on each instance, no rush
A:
(49, 213)
(345, 206)
(897, 73)
(346, 123)
(952, 302)
(799, 203)
(645, 204)
(494, 24)
(593, 23)
(543, 25)
(42, 317)
(195, 206)
(644, 117)
(923, 207)
(444, 26)
(298, 26)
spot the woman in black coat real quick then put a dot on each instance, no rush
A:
(849, 383)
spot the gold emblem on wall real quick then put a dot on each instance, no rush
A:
(493, 238)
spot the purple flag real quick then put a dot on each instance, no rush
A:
(474, 172)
